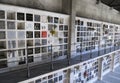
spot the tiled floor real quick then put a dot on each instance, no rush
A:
(112, 77)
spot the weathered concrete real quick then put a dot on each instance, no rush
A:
(100, 68)
(66, 6)
(84, 8)
(89, 9)
(49, 5)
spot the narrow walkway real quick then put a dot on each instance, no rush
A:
(112, 77)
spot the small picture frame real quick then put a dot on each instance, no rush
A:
(2, 14)
(56, 20)
(44, 19)
(50, 19)
(61, 20)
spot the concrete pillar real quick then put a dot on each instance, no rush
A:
(100, 68)
(69, 6)
(119, 58)
(68, 76)
(112, 62)
(71, 25)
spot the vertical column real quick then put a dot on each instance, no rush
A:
(113, 37)
(119, 58)
(52, 67)
(101, 40)
(68, 76)
(69, 7)
(100, 68)
(112, 62)
(71, 26)
(27, 63)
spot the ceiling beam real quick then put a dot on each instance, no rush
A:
(111, 2)
(118, 9)
(117, 5)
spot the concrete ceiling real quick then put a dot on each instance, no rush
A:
(112, 3)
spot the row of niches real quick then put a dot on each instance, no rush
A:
(107, 30)
(92, 71)
(89, 24)
(22, 58)
(117, 34)
(37, 50)
(30, 34)
(45, 34)
(117, 59)
(110, 43)
(106, 62)
(3, 54)
(88, 34)
(42, 52)
(105, 45)
(88, 43)
(28, 43)
(77, 75)
(30, 17)
(60, 77)
(87, 71)
(87, 39)
(79, 28)
(117, 29)
(10, 35)
(83, 48)
(4, 63)
(31, 26)
(107, 37)
(107, 26)
(117, 39)
(47, 50)
(90, 27)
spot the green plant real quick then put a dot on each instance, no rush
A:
(53, 32)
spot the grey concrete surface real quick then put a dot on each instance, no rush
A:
(112, 77)
(84, 8)
(89, 9)
(48, 5)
